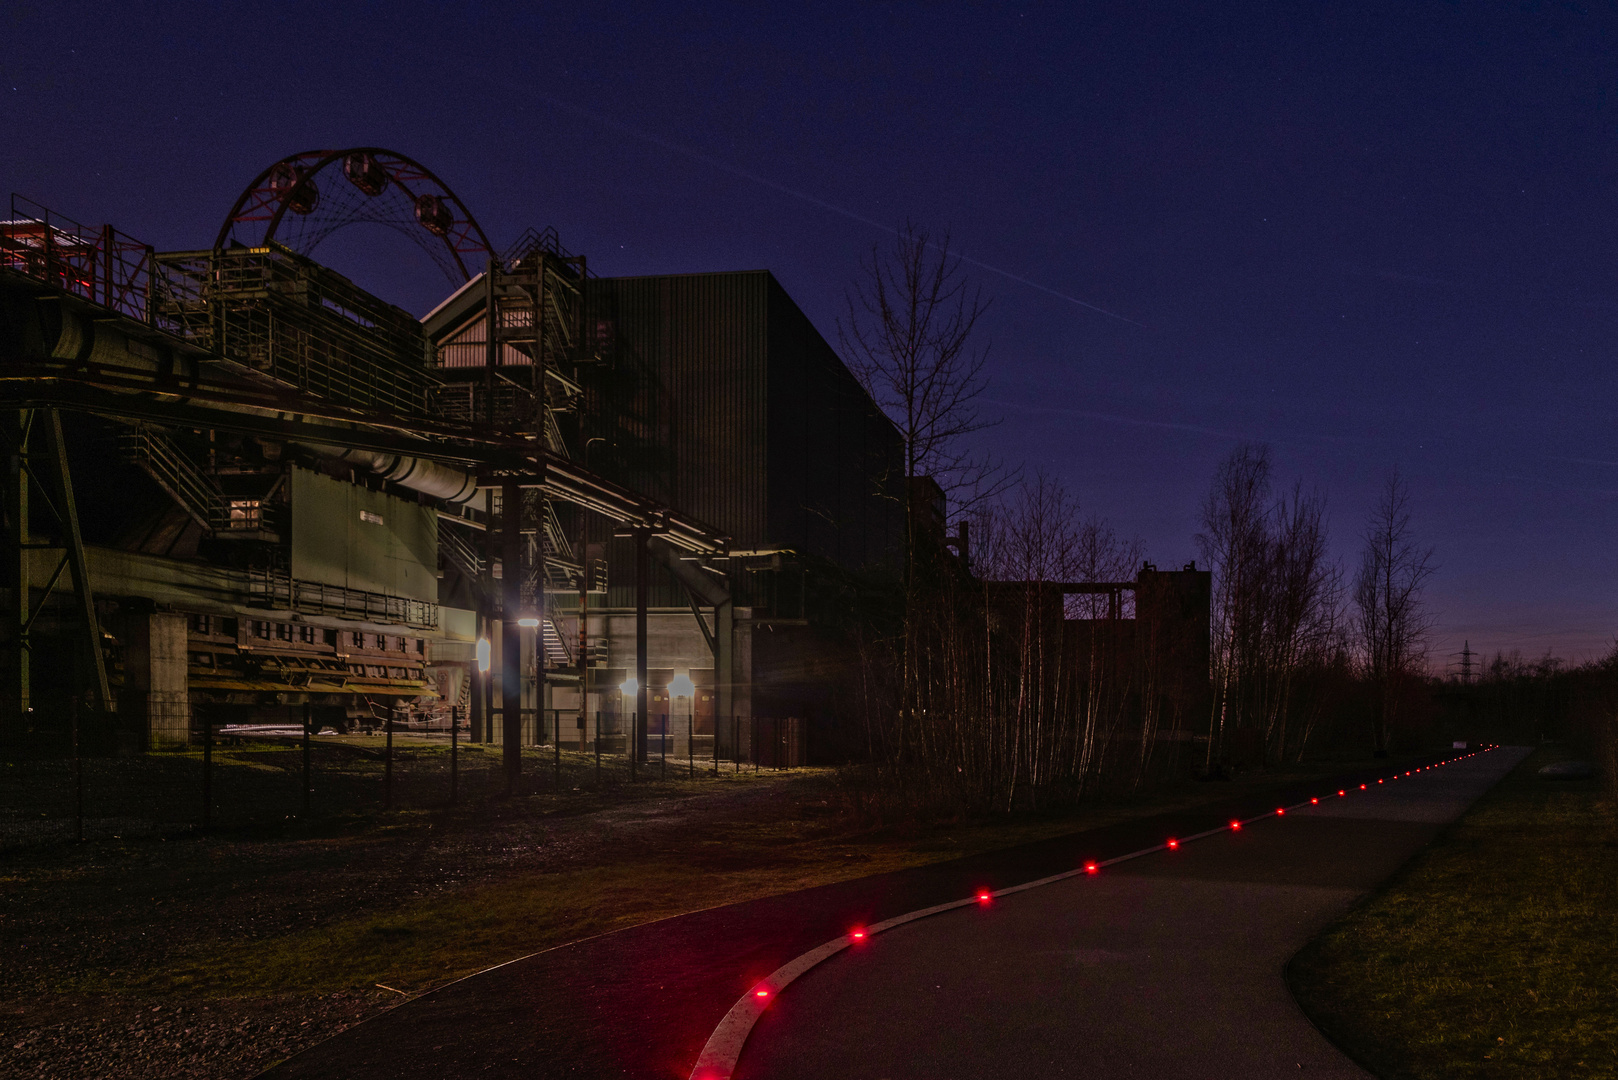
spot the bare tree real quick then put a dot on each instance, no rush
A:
(1393, 621)
(907, 334)
(1234, 543)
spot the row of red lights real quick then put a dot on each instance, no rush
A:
(985, 896)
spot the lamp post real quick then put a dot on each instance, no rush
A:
(682, 687)
(630, 687)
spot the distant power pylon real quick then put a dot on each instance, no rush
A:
(1466, 654)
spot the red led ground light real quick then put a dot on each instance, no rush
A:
(1091, 868)
(1235, 826)
(983, 896)
(1174, 845)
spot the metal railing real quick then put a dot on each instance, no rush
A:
(101, 265)
(276, 589)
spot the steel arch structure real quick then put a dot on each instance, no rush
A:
(304, 198)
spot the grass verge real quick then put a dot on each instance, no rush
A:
(1492, 955)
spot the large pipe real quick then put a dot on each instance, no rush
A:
(418, 474)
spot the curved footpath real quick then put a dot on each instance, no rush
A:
(1164, 965)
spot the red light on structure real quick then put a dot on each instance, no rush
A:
(1090, 868)
(1174, 845)
(857, 935)
(1342, 793)
(983, 896)
(1362, 787)
(1315, 801)
(1280, 810)
(761, 993)
(1235, 826)
(1379, 781)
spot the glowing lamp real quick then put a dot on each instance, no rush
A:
(1091, 868)
(1340, 794)
(1279, 811)
(1315, 801)
(1174, 845)
(528, 621)
(857, 935)
(682, 686)
(1235, 826)
(1362, 787)
(983, 896)
(483, 655)
(761, 993)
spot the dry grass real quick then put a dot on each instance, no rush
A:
(1493, 955)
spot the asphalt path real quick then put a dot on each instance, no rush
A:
(643, 1001)
(1169, 965)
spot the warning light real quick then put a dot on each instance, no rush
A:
(761, 993)
(857, 935)
(983, 896)
(1362, 787)
(1174, 845)
(1090, 868)
(1341, 793)
(1315, 801)
(1235, 826)
(1379, 781)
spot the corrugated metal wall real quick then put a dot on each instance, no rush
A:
(834, 458)
(768, 437)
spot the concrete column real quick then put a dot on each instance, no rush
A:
(511, 633)
(14, 578)
(643, 572)
(156, 685)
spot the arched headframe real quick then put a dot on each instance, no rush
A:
(302, 199)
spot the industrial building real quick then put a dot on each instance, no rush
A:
(624, 514)
(241, 489)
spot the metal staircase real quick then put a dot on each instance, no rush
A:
(193, 490)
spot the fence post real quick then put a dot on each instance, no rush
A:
(598, 747)
(556, 738)
(663, 748)
(78, 776)
(630, 745)
(690, 744)
(306, 713)
(387, 765)
(454, 752)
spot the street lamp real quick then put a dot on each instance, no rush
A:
(681, 686)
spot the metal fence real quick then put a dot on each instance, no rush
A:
(259, 780)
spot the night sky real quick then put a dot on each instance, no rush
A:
(1371, 235)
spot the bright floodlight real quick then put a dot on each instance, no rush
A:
(682, 686)
(483, 655)
(528, 621)
(630, 686)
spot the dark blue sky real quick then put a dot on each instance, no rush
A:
(1371, 235)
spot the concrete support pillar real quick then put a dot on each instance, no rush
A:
(14, 578)
(643, 573)
(724, 671)
(156, 689)
(511, 633)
